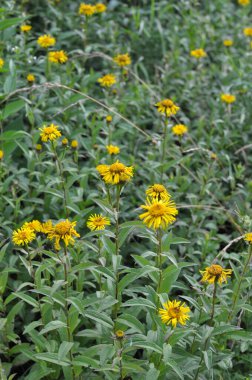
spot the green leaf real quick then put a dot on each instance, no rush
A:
(142, 302)
(131, 321)
(12, 108)
(85, 361)
(171, 363)
(32, 326)
(101, 318)
(51, 358)
(27, 299)
(169, 276)
(134, 275)
(146, 345)
(64, 348)
(53, 325)
(4, 24)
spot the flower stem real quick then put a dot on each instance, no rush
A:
(214, 300)
(117, 205)
(163, 150)
(159, 264)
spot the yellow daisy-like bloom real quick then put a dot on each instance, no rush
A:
(30, 78)
(64, 231)
(58, 56)
(100, 8)
(107, 80)
(159, 213)
(87, 9)
(179, 129)
(115, 173)
(46, 227)
(46, 41)
(50, 132)
(228, 43)
(74, 144)
(248, 237)
(228, 98)
(167, 107)
(25, 28)
(38, 147)
(1, 154)
(97, 222)
(198, 53)
(244, 2)
(247, 32)
(215, 273)
(109, 119)
(122, 60)
(23, 236)
(113, 149)
(174, 312)
(34, 225)
(1, 62)
(64, 141)
(158, 192)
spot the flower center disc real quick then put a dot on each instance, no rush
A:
(157, 210)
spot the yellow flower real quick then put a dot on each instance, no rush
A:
(87, 9)
(34, 225)
(74, 144)
(30, 78)
(119, 334)
(198, 53)
(213, 156)
(38, 147)
(1, 154)
(115, 173)
(107, 80)
(50, 132)
(1, 62)
(228, 98)
(215, 273)
(46, 41)
(159, 213)
(179, 129)
(247, 32)
(228, 43)
(174, 312)
(100, 8)
(113, 149)
(46, 227)
(244, 2)
(167, 107)
(57, 56)
(23, 236)
(158, 192)
(97, 222)
(64, 231)
(64, 141)
(109, 119)
(25, 28)
(122, 60)
(248, 237)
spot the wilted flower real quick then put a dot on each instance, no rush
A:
(215, 273)
(65, 231)
(158, 192)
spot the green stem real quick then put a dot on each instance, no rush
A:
(159, 264)
(237, 293)
(214, 300)
(118, 191)
(164, 149)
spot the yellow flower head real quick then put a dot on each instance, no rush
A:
(228, 98)
(167, 107)
(107, 80)
(23, 236)
(113, 149)
(25, 28)
(46, 227)
(179, 129)
(74, 144)
(1, 154)
(158, 192)
(122, 60)
(64, 231)
(228, 43)
(198, 53)
(247, 32)
(97, 222)
(30, 78)
(50, 132)
(173, 312)
(159, 213)
(215, 273)
(46, 41)
(57, 56)
(248, 237)
(119, 334)
(1, 62)
(115, 173)
(64, 141)
(34, 225)
(244, 2)
(38, 147)
(109, 119)
(100, 8)
(87, 9)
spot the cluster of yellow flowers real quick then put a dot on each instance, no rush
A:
(89, 10)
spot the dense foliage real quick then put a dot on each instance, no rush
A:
(99, 280)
